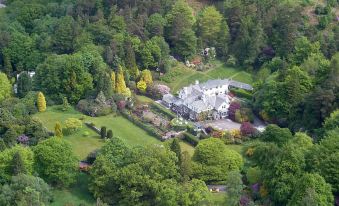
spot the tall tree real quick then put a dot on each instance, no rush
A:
(24, 84)
(18, 164)
(55, 161)
(312, 190)
(120, 87)
(5, 87)
(209, 26)
(113, 80)
(234, 188)
(41, 102)
(175, 147)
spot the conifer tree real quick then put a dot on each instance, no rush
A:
(65, 104)
(109, 134)
(113, 80)
(18, 166)
(8, 65)
(175, 147)
(58, 130)
(103, 132)
(185, 167)
(41, 102)
(146, 76)
(120, 82)
(24, 84)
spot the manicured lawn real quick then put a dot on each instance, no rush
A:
(78, 194)
(83, 145)
(181, 76)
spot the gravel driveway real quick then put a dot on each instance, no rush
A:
(222, 124)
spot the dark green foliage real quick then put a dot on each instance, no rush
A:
(191, 139)
(109, 134)
(24, 84)
(18, 166)
(103, 132)
(151, 172)
(276, 135)
(25, 190)
(175, 147)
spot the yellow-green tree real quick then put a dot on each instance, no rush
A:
(146, 76)
(120, 86)
(58, 130)
(41, 102)
(113, 80)
(142, 86)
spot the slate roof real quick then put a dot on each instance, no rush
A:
(194, 98)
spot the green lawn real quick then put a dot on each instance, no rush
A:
(76, 195)
(181, 76)
(218, 199)
(83, 145)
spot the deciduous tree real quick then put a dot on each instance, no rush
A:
(5, 87)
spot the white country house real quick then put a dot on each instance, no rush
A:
(203, 100)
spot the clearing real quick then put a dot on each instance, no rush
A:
(181, 75)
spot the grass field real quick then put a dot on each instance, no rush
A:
(181, 75)
(83, 145)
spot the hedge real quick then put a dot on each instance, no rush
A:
(191, 139)
(241, 93)
(149, 129)
(92, 126)
(163, 110)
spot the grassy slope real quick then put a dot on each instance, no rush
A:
(181, 76)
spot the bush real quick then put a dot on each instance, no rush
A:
(158, 108)
(193, 140)
(241, 93)
(86, 134)
(103, 132)
(109, 134)
(72, 125)
(247, 129)
(149, 129)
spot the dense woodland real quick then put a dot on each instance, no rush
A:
(95, 55)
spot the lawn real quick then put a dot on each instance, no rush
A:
(181, 75)
(78, 194)
(83, 145)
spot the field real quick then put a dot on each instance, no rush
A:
(181, 75)
(83, 145)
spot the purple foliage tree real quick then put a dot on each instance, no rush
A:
(23, 139)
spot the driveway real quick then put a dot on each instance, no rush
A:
(222, 124)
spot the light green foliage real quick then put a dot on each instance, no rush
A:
(150, 54)
(155, 25)
(72, 125)
(212, 161)
(25, 190)
(6, 161)
(332, 122)
(151, 173)
(5, 87)
(253, 175)
(210, 24)
(55, 161)
(304, 49)
(324, 159)
(312, 190)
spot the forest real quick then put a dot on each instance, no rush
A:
(94, 59)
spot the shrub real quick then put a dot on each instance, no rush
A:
(241, 93)
(234, 106)
(109, 134)
(72, 125)
(103, 132)
(163, 110)
(86, 134)
(247, 129)
(193, 140)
